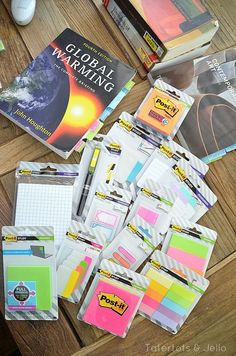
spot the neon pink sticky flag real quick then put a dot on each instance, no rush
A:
(148, 215)
(187, 259)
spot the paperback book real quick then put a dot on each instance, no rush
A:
(170, 28)
(209, 129)
(63, 97)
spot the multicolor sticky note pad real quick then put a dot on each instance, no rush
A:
(161, 111)
(191, 253)
(166, 302)
(111, 308)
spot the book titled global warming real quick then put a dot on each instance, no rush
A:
(63, 97)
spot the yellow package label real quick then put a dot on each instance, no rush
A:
(126, 125)
(180, 173)
(166, 150)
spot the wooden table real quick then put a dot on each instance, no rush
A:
(213, 322)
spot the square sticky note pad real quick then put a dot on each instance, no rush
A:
(41, 276)
(111, 308)
(161, 111)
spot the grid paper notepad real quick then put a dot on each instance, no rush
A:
(45, 205)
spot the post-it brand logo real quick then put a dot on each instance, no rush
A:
(101, 195)
(176, 228)
(166, 150)
(156, 264)
(105, 273)
(113, 302)
(25, 171)
(126, 125)
(146, 191)
(180, 173)
(115, 146)
(165, 104)
(132, 228)
(10, 238)
(71, 235)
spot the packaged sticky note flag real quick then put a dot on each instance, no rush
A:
(113, 298)
(44, 196)
(194, 197)
(76, 260)
(108, 210)
(169, 153)
(98, 165)
(138, 143)
(173, 292)
(132, 246)
(164, 108)
(154, 204)
(190, 244)
(29, 270)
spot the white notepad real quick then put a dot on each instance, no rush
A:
(45, 204)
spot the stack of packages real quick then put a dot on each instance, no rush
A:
(134, 200)
(163, 31)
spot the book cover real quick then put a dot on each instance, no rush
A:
(209, 129)
(64, 91)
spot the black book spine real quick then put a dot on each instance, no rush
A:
(153, 41)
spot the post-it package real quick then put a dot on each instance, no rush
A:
(164, 108)
(194, 197)
(44, 196)
(173, 292)
(190, 244)
(113, 298)
(137, 142)
(98, 165)
(169, 153)
(108, 210)
(76, 259)
(29, 270)
(133, 245)
(154, 204)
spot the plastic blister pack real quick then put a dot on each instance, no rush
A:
(113, 298)
(76, 260)
(154, 204)
(108, 210)
(29, 268)
(173, 292)
(133, 245)
(190, 244)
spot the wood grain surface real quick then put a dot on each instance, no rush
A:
(213, 322)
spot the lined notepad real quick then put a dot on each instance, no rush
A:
(45, 205)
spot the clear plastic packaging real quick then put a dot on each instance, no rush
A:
(113, 298)
(29, 269)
